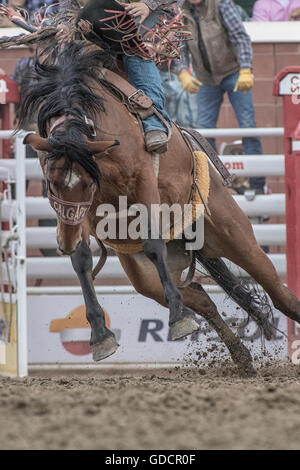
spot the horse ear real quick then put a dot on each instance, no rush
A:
(41, 144)
(38, 143)
(102, 146)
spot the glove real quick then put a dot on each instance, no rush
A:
(245, 81)
(189, 83)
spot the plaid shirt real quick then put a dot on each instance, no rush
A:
(231, 18)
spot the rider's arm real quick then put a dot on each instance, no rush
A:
(142, 9)
(240, 39)
(236, 31)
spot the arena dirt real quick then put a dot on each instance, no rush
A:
(204, 408)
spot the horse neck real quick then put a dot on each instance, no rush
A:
(117, 123)
(123, 163)
(116, 119)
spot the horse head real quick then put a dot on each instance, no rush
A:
(65, 98)
(72, 177)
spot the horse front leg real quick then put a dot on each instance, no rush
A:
(181, 319)
(103, 341)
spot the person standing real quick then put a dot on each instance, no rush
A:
(276, 10)
(221, 55)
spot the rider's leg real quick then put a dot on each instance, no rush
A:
(144, 75)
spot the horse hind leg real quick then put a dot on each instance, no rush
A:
(262, 270)
(255, 305)
(229, 234)
(196, 298)
(145, 280)
(103, 341)
(256, 263)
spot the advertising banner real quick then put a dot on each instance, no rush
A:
(59, 332)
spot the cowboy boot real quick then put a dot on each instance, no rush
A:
(156, 141)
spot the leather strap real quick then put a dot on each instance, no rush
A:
(212, 154)
(102, 258)
(134, 96)
(191, 272)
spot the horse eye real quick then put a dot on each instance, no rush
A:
(87, 185)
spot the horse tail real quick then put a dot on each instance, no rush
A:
(244, 293)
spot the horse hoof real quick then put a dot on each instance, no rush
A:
(247, 372)
(184, 327)
(106, 348)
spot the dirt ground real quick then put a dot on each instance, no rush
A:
(205, 408)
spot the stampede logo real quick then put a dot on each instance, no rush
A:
(70, 214)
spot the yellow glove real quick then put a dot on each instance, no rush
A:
(245, 81)
(189, 83)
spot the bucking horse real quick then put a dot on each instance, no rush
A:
(91, 150)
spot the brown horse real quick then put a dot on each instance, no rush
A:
(79, 169)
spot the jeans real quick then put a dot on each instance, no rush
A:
(210, 99)
(144, 75)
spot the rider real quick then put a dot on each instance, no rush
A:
(144, 75)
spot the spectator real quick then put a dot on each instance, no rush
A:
(222, 59)
(276, 10)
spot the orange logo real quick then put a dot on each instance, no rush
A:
(75, 331)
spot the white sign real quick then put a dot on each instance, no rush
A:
(290, 84)
(3, 86)
(295, 145)
(59, 333)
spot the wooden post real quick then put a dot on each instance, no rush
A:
(287, 85)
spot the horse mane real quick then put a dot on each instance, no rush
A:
(62, 82)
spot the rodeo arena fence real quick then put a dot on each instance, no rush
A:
(44, 326)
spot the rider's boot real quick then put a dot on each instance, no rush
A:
(156, 141)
